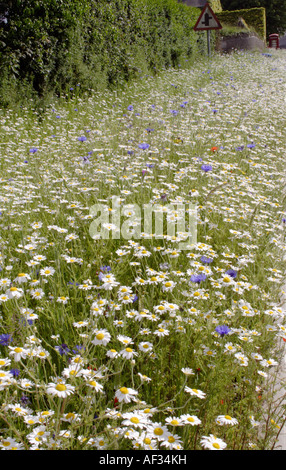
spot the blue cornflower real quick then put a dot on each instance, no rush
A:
(73, 283)
(144, 146)
(105, 268)
(130, 107)
(206, 168)
(198, 278)
(206, 260)
(26, 322)
(222, 330)
(25, 400)
(78, 349)
(135, 298)
(33, 150)
(82, 138)
(232, 273)
(15, 372)
(5, 339)
(62, 349)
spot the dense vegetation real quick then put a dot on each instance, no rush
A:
(48, 46)
(275, 12)
(163, 336)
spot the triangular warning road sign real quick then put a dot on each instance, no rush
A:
(207, 20)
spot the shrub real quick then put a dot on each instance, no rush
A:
(53, 45)
(254, 17)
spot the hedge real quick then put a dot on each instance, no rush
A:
(254, 17)
(48, 46)
(215, 6)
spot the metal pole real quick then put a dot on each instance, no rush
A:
(209, 42)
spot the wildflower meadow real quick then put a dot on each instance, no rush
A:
(142, 262)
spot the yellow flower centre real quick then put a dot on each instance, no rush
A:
(171, 439)
(147, 440)
(99, 336)
(6, 443)
(70, 416)
(174, 422)
(2, 374)
(93, 383)
(227, 417)
(134, 420)
(168, 284)
(153, 278)
(158, 431)
(18, 350)
(13, 289)
(216, 445)
(129, 350)
(124, 390)
(101, 443)
(190, 419)
(61, 387)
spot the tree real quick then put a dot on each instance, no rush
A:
(275, 12)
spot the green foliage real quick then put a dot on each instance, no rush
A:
(53, 44)
(275, 12)
(254, 17)
(215, 5)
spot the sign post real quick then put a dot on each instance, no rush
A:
(206, 22)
